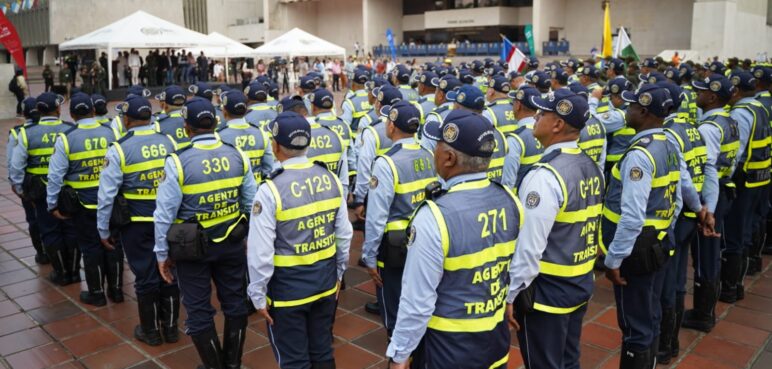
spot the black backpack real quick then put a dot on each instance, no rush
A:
(13, 85)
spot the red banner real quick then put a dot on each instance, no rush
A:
(10, 39)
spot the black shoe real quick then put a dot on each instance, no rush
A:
(675, 345)
(152, 338)
(96, 299)
(58, 278)
(667, 328)
(695, 320)
(169, 304)
(147, 331)
(740, 292)
(95, 295)
(208, 346)
(114, 276)
(731, 269)
(754, 265)
(373, 308)
(323, 364)
(234, 334)
(630, 359)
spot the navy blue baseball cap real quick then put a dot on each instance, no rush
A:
(222, 88)
(135, 107)
(513, 74)
(579, 89)
(685, 71)
(477, 66)
(138, 91)
(29, 107)
(560, 75)
(426, 78)
(264, 79)
(387, 95)
(404, 115)
(652, 97)
(402, 72)
(495, 70)
(541, 79)
(465, 131)
(272, 88)
(465, 76)
(570, 107)
(673, 74)
(375, 83)
(743, 80)
(500, 84)
(650, 63)
(674, 90)
(321, 98)
(197, 111)
(81, 104)
(290, 102)
(256, 91)
(291, 130)
(655, 77)
(447, 83)
(524, 94)
(307, 82)
(717, 84)
(617, 85)
(201, 89)
(48, 102)
(100, 104)
(234, 102)
(716, 67)
(172, 95)
(549, 67)
(361, 76)
(589, 71)
(762, 73)
(533, 62)
(468, 96)
(441, 71)
(615, 64)
(573, 63)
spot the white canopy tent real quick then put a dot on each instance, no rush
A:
(297, 42)
(231, 49)
(140, 30)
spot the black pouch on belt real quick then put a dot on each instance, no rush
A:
(524, 300)
(187, 242)
(34, 188)
(121, 215)
(239, 231)
(68, 202)
(395, 249)
(648, 254)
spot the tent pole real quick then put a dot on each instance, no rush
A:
(227, 75)
(109, 68)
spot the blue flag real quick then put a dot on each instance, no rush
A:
(390, 39)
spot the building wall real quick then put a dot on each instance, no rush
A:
(224, 13)
(724, 26)
(547, 14)
(378, 16)
(340, 24)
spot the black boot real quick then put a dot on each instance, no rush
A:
(73, 264)
(170, 312)
(233, 341)
(702, 316)
(731, 267)
(147, 331)
(667, 328)
(754, 258)
(95, 294)
(323, 364)
(114, 272)
(631, 359)
(675, 345)
(744, 264)
(373, 307)
(41, 257)
(208, 347)
(57, 275)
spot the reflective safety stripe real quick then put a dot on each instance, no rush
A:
(308, 209)
(193, 189)
(42, 151)
(136, 196)
(147, 165)
(500, 362)
(566, 271)
(328, 158)
(37, 170)
(613, 157)
(307, 259)
(141, 219)
(81, 185)
(579, 216)
(598, 142)
(478, 259)
(497, 162)
(556, 310)
(467, 325)
(397, 225)
(302, 301)
(758, 164)
(732, 146)
(658, 224)
(88, 154)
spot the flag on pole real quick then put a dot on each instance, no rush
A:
(15, 7)
(512, 55)
(607, 48)
(624, 46)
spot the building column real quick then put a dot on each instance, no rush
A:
(712, 27)
(546, 14)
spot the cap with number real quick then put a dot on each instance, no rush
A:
(579, 89)
(81, 104)
(48, 102)
(135, 107)
(717, 84)
(467, 132)
(570, 107)
(138, 91)
(29, 106)
(307, 82)
(500, 84)
(673, 89)
(291, 130)
(617, 85)
(743, 80)
(201, 89)
(172, 95)
(290, 102)
(404, 115)
(524, 94)
(321, 98)
(652, 97)
(234, 102)
(256, 91)
(199, 113)
(468, 96)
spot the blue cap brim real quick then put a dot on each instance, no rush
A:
(700, 85)
(629, 96)
(384, 112)
(435, 82)
(451, 95)
(541, 103)
(433, 130)
(512, 94)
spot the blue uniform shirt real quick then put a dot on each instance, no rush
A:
(57, 169)
(12, 141)
(744, 120)
(262, 234)
(512, 160)
(538, 223)
(689, 194)
(427, 142)
(712, 137)
(366, 155)
(169, 198)
(613, 119)
(423, 273)
(636, 196)
(19, 158)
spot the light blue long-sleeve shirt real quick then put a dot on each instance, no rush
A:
(169, 198)
(688, 193)
(267, 163)
(351, 150)
(348, 108)
(110, 181)
(423, 273)
(635, 197)
(613, 119)
(262, 235)
(12, 141)
(365, 160)
(537, 224)
(712, 137)
(378, 205)
(512, 160)
(432, 119)
(58, 166)
(744, 120)
(16, 170)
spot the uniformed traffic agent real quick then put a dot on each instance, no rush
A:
(239, 133)
(612, 116)
(455, 301)
(206, 91)
(592, 138)
(524, 149)
(134, 90)
(401, 79)
(425, 103)
(28, 172)
(563, 198)
(499, 107)
(127, 188)
(322, 103)
(647, 177)
(260, 113)
(356, 106)
(763, 74)
(200, 224)
(73, 184)
(171, 123)
(298, 249)
(396, 188)
(444, 85)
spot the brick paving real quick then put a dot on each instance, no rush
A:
(45, 326)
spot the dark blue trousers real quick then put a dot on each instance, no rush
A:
(706, 251)
(137, 240)
(741, 219)
(301, 335)
(388, 296)
(638, 308)
(550, 341)
(674, 285)
(225, 263)
(59, 238)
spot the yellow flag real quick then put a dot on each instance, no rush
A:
(607, 48)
